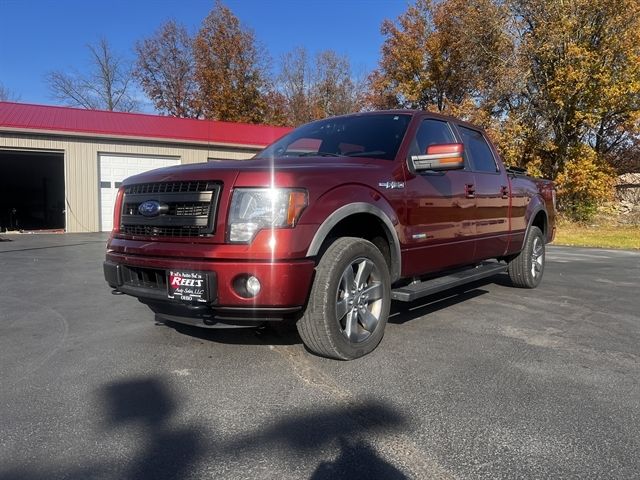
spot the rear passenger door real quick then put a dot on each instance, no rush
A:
(491, 189)
(440, 222)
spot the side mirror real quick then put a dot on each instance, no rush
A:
(446, 156)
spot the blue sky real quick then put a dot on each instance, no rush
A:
(37, 36)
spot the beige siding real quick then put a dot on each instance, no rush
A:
(81, 166)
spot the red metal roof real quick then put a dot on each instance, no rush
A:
(22, 116)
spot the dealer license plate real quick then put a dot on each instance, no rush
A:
(187, 286)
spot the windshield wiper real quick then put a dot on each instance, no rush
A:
(370, 153)
(318, 154)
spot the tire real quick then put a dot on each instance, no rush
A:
(526, 268)
(349, 302)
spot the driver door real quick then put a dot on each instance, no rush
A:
(440, 209)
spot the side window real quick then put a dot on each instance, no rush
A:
(478, 150)
(431, 132)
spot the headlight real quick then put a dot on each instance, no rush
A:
(253, 209)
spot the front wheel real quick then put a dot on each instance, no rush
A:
(526, 268)
(349, 303)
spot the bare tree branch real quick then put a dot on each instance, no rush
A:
(320, 88)
(7, 95)
(106, 87)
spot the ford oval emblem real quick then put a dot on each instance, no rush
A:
(150, 208)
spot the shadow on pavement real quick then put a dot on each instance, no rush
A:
(281, 333)
(285, 333)
(503, 280)
(357, 461)
(166, 447)
(405, 312)
(312, 430)
(168, 452)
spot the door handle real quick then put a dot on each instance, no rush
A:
(470, 190)
(504, 191)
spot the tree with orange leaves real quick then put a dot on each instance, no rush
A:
(557, 82)
(231, 70)
(165, 68)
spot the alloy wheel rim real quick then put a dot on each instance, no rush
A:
(537, 258)
(359, 300)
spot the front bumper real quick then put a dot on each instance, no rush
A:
(284, 289)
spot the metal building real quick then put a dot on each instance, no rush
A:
(61, 167)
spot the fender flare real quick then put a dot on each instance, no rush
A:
(536, 210)
(352, 209)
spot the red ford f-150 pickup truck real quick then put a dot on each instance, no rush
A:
(327, 226)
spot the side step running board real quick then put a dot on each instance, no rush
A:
(414, 291)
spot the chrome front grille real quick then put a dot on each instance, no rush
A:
(185, 209)
(170, 187)
(147, 231)
(193, 209)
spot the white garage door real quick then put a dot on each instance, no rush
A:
(113, 170)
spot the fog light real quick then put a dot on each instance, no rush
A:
(253, 286)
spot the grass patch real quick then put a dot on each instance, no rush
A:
(603, 236)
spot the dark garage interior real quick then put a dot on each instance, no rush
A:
(31, 190)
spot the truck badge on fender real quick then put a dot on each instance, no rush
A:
(391, 185)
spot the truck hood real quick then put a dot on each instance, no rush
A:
(226, 170)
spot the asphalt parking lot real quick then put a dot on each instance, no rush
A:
(486, 382)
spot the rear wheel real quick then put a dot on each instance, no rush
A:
(349, 303)
(526, 268)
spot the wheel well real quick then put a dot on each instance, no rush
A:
(540, 221)
(362, 225)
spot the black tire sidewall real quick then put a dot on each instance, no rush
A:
(340, 255)
(534, 233)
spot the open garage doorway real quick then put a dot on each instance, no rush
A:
(31, 190)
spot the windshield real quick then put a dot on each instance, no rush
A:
(375, 136)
